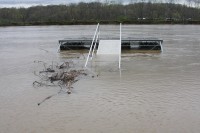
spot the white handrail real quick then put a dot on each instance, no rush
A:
(120, 45)
(95, 43)
(94, 37)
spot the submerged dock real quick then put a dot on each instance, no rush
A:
(126, 43)
(110, 46)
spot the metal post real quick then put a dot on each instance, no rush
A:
(161, 46)
(59, 47)
(120, 46)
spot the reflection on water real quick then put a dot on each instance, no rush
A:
(155, 92)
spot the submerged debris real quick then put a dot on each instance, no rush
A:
(45, 99)
(63, 76)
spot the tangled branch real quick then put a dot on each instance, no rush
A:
(63, 76)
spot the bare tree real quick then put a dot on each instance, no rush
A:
(189, 2)
(171, 1)
(197, 3)
(133, 1)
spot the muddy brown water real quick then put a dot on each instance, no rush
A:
(155, 93)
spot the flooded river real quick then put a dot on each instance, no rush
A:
(155, 93)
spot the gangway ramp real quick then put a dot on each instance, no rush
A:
(108, 52)
(111, 47)
(106, 49)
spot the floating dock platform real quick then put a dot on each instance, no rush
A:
(126, 43)
(110, 46)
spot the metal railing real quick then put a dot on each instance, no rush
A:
(97, 37)
(93, 45)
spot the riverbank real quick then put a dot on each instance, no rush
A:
(137, 22)
(94, 12)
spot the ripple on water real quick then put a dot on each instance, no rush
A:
(153, 93)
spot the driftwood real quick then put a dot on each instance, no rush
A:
(62, 76)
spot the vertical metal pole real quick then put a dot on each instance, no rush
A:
(120, 46)
(161, 46)
(59, 47)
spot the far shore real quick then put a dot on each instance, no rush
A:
(137, 22)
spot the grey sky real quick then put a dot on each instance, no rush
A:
(27, 3)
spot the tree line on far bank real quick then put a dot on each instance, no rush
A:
(93, 12)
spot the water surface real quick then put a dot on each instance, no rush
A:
(154, 93)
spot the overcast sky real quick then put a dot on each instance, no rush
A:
(28, 3)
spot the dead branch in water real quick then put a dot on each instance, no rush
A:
(62, 76)
(46, 99)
